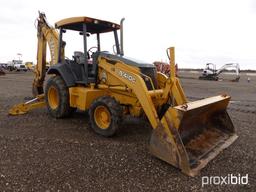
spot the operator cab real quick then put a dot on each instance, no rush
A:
(209, 69)
(83, 65)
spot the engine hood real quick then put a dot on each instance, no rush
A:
(127, 60)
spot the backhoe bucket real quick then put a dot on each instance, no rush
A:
(191, 135)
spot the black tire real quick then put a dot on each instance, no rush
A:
(62, 108)
(115, 111)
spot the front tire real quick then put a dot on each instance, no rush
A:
(105, 116)
(57, 98)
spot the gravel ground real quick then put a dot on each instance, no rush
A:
(39, 153)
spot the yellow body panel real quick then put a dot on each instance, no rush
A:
(161, 79)
(82, 98)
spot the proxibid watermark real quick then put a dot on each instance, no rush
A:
(230, 179)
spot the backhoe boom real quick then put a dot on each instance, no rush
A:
(46, 34)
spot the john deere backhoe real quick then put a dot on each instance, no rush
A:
(185, 134)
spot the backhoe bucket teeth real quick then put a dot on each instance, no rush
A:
(191, 135)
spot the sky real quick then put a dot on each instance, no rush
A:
(202, 31)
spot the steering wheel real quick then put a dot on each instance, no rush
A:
(91, 51)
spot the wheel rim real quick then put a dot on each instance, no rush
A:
(102, 117)
(53, 97)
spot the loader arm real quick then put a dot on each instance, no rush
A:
(46, 34)
(132, 79)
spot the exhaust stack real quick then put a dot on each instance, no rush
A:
(121, 37)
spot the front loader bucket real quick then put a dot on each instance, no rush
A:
(191, 135)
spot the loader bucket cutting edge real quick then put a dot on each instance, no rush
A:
(191, 135)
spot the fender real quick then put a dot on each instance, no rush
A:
(65, 72)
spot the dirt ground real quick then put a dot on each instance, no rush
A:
(39, 153)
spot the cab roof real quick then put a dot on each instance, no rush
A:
(93, 25)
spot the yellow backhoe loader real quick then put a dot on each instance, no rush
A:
(185, 134)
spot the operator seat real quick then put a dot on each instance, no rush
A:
(79, 57)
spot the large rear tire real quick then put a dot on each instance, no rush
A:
(105, 116)
(57, 98)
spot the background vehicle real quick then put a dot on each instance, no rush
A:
(19, 65)
(165, 68)
(211, 73)
(2, 67)
(110, 85)
(16, 65)
(29, 65)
